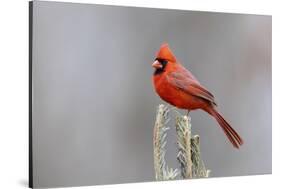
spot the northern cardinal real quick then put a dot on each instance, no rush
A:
(177, 86)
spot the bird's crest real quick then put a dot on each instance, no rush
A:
(166, 53)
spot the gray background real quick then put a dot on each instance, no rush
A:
(94, 104)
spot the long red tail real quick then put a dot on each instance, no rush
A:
(231, 134)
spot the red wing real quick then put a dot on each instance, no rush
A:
(181, 81)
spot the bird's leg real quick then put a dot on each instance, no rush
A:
(187, 114)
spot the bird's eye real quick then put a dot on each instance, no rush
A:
(162, 61)
(159, 60)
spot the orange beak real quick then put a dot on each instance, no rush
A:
(157, 65)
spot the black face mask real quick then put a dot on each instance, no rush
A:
(160, 70)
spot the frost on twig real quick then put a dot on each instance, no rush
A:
(162, 172)
(183, 129)
(189, 156)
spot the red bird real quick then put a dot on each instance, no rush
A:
(177, 86)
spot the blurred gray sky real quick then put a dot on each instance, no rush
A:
(94, 104)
